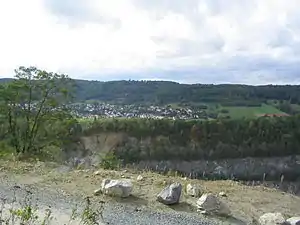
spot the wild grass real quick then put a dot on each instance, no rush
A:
(26, 211)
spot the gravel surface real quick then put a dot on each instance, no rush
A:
(114, 213)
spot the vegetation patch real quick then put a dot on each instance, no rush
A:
(236, 112)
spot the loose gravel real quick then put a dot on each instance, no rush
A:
(113, 214)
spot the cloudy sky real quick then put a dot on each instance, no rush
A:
(189, 41)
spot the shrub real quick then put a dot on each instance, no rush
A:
(110, 161)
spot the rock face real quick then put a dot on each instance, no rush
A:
(272, 219)
(193, 190)
(293, 221)
(170, 195)
(210, 204)
(117, 188)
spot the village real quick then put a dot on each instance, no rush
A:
(105, 110)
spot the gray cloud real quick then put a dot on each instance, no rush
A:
(247, 41)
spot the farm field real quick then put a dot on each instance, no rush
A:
(250, 112)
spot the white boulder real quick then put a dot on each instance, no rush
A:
(193, 190)
(210, 204)
(170, 195)
(117, 188)
(293, 221)
(272, 219)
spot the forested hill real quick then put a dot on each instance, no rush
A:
(165, 92)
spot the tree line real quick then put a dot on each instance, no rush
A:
(194, 139)
(165, 92)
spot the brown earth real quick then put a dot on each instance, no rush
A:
(246, 203)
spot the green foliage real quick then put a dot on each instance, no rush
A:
(110, 161)
(25, 215)
(194, 139)
(6, 151)
(33, 109)
(250, 112)
(164, 92)
(90, 216)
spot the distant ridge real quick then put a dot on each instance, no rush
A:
(167, 92)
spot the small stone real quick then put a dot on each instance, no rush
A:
(203, 212)
(97, 172)
(98, 191)
(139, 178)
(137, 209)
(193, 190)
(222, 194)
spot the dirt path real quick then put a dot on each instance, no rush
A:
(63, 188)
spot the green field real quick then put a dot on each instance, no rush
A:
(250, 112)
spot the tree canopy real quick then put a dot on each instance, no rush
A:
(32, 106)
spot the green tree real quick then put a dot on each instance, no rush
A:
(33, 105)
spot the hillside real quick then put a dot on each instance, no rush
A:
(164, 92)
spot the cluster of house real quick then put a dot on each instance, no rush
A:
(139, 111)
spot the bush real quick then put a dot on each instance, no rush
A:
(110, 161)
(225, 111)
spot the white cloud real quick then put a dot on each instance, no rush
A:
(241, 41)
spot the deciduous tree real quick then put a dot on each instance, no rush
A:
(33, 105)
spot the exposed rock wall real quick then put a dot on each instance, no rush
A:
(271, 168)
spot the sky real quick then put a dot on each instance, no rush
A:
(187, 41)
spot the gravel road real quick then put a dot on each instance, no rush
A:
(114, 213)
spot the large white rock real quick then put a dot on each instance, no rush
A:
(117, 188)
(193, 190)
(272, 219)
(210, 204)
(293, 221)
(170, 195)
